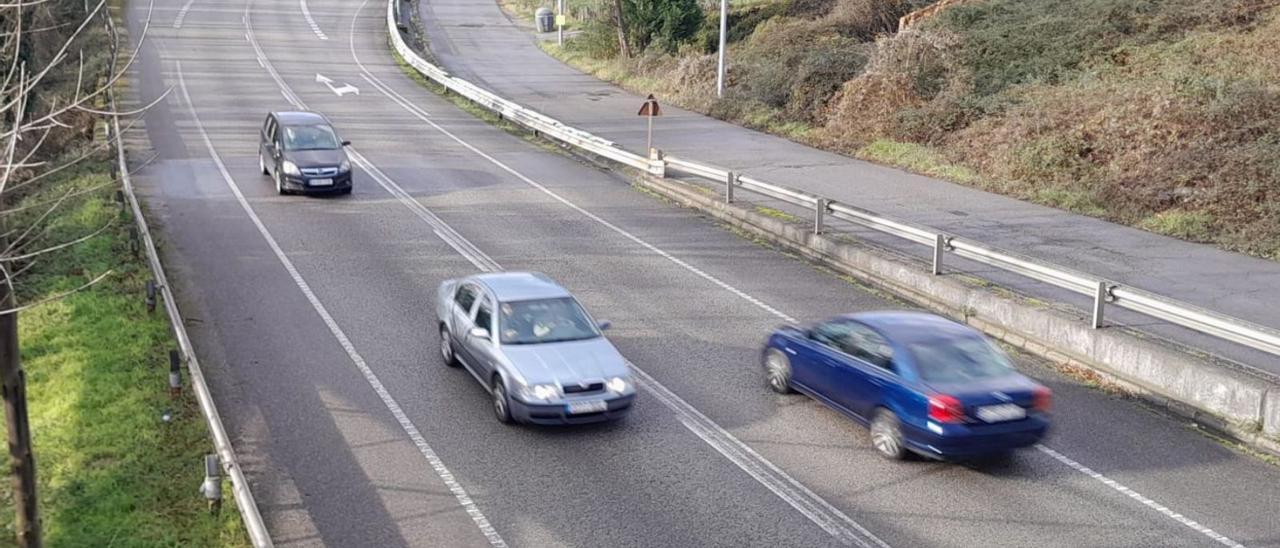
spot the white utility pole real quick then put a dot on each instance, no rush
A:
(724, 23)
(560, 22)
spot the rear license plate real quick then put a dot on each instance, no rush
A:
(1001, 413)
(586, 407)
(322, 182)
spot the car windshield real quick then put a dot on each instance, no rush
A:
(317, 137)
(544, 321)
(960, 360)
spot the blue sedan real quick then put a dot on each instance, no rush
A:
(923, 383)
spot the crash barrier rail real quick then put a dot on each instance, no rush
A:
(221, 441)
(1102, 291)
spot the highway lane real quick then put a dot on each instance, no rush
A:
(373, 264)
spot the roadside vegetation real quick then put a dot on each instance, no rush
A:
(1159, 114)
(111, 470)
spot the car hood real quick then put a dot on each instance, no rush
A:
(316, 158)
(566, 362)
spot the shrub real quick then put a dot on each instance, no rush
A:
(661, 24)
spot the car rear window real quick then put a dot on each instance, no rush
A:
(959, 360)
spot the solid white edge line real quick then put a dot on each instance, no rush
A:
(1164, 510)
(467, 503)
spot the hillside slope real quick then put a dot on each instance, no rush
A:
(1158, 114)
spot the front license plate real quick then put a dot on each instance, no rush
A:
(586, 407)
(1001, 413)
(322, 182)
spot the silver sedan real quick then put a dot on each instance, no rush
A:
(534, 348)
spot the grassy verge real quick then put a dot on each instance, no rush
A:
(111, 472)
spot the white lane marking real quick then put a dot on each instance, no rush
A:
(451, 482)
(314, 27)
(339, 91)
(182, 14)
(1195, 526)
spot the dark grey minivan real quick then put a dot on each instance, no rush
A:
(302, 153)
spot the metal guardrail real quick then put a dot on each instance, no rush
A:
(221, 441)
(1102, 291)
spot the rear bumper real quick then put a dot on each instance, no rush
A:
(341, 181)
(618, 407)
(957, 441)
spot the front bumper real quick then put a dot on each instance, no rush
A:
(557, 413)
(305, 183)
(961, 440)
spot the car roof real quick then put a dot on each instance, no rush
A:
(906, 327)
(299, 117)
(521, 286)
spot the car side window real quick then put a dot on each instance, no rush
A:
(269, 130)
(465, 297)
(869, 346)
(832, 334)
(484, 316)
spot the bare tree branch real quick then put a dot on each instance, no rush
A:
(59, 296)
(62, 245)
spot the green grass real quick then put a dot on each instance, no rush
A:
(110, 471)
(1188, 225)
(917, 158)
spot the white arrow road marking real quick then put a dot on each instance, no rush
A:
(339, 91)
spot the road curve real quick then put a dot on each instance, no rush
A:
(314, 319)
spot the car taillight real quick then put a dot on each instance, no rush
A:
(944, 408)
(1042, 399)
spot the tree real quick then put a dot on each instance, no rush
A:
(51, 98)
(664, 24)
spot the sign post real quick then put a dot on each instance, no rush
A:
(650, 110)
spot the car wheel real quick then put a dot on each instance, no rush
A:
(280, 184)
(886, 435)
(446, 347)
(501, 404)
(778, 371)
(262, 164)
(346, 190)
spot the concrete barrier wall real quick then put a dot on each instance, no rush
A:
(1209, 391)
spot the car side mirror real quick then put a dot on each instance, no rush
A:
(604, 324)
(346, 143)
(479, 333)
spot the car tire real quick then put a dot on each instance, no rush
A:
(886, 435)
(501, 403)
(262, 164)
(280, 184)
(777, 369)
(346, 190)
(446, 347)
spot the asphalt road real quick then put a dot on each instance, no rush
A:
(475, 40)
(314, 318)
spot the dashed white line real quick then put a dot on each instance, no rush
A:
(1194, 525)
(182, 14)
(306, 12)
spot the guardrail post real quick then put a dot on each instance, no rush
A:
(150, 298)
(1099, 301)
(175, 374)
(212, 486)
(820, 211)
(729, 182)
(657, 163)
(939, 246)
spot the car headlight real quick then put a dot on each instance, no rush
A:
(617, 385)
(543, 392)
(345, 166)
(290, 168)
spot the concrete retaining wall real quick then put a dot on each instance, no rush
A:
(1210, 391)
